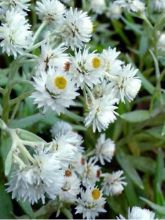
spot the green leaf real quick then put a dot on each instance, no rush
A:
(146, 84)
(31, 120)
(127, 166)
(6, 208)
(136, 116)
(157, 208)
(8, 163)
(28, 136)
(27, 209)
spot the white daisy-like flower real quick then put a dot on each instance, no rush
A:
(63, 131)
(15, 38)
(76, 28)
(54, 90)
(131, 5)
(137, 213)
(52, 57)
(114, 183)
(70, 188)
(26, 185)
(111, 62)
(125, 84)
(89, 172)
(114, 11)
(50, 11)
(91, 203)
(101, 111)
(86, 68)
(159, 5)
(104, 149)
(16, 4)
(98, 6)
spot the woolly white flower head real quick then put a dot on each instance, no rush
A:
(63, 131)
(86, 68)
(105, 149)
(131, 5)
(54, 90)
(125, 84)
(137, 213)
(70, 188)
(89, 172)
(15, 38)
(50, 11)
(114, 183)
(98, 6)
(76, 28)
(14, 4)
(91, 203)
(101, 110)
(114, 11)
(52, 57)
(159, 5)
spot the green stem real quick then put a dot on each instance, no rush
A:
(38, 32)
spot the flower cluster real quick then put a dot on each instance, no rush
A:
(61, 170)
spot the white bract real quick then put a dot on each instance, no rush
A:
(15, 38)
(104, 149)
(76, 28)
(159, 5)
(91, 203)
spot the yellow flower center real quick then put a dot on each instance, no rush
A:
(96, 62)
(60, 82)
(96, 194)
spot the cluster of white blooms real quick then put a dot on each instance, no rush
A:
(104, 79)
(67, 71)
(159, 5)
(62, 170)
(139, 214)
(131, 5)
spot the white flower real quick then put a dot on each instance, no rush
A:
(16, 4)
(101, 111)
(137, 213)
(63, 131)
(112, 64)
(114, 11)
(54, 90)
(76, 28)
(70, 188)
(50, 11)
(52, 57)
(105, 149)
(114, 183)
(86, 68)
(98, 6)
(125, 84)
(89, 172)
(131, 5)
(51, 172)
(15, 38)
(91, 203)
(161, 42)
(159, 5)
(26, 185)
